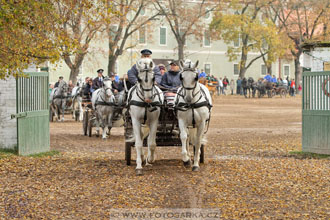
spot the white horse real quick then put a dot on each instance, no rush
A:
(58, 98)
(193, 103)
(144, 100)
(103, 103)
(77, 99)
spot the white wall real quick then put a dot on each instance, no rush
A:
(8, 128)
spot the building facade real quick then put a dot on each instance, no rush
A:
(161, 41)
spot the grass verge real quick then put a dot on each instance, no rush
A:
(307, 155)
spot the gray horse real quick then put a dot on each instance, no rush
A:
(58, 99)
(103, 102)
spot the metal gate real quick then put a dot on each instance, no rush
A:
(316, 112)
(32, 113)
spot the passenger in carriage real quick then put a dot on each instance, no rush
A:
(171, 79)
(58, 82)
(89, 89)
(133, 72)
(162, 69)
(117, 86)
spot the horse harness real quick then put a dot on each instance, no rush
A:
(103, 102)
(151, 106)
(183, 106)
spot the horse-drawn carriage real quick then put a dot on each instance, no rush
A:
(168, 132)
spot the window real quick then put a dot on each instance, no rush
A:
(162, 35)
(236, 69)
(181, 31)
(207, 13)
(142, 12)
(207, 38)
(286, 70)
(142, 35)
(237, 42)
(207, 68)
(263, 69)
(113, 31)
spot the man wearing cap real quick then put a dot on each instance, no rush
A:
(171, 79)
(98, 81)
(133, 72)
(58, 82)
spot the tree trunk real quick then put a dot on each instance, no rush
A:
(270, 69)
(73, 74)
(242, 66)
(112, 63)
(298, 70)
(180, 50)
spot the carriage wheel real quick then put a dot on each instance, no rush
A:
(283, 93)
(85, 122)
(77, 115)
(273, 93)
(128, 152)
(90, 127)
(259, 94)
(201, 157)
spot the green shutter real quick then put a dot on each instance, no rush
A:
(162, 38)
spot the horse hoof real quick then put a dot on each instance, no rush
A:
(195, 169)
(104, 139)
(187, 163)
(138, 172)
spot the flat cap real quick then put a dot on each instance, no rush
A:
(146, 52)
(174, 62)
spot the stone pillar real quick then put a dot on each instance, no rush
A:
(8, 126)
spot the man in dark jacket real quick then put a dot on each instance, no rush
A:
(171, 79)
(116, 86)
(98, 81)
(133, 72)
(58, 82)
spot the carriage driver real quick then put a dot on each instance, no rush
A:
(98, 81)
(133, 72)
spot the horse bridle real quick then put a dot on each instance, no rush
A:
(196, 81)
(142, 90)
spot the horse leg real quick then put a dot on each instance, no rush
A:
(138, 145)
(198, 139)
(63, 108)
(81, 114)
(109, 126)
(152, 142)
(184, 139)
(53, 107)
(97, 122)
(74, 108)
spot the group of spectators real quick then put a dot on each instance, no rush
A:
(224, 84)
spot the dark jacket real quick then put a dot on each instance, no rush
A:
(171, 79)
(97, 83)
(56, 84)
(133, 75)
(119, 86)
(87, 91)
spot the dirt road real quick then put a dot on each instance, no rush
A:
(248, 173)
